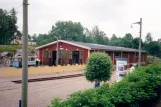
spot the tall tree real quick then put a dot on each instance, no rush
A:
(154, 49)
(159, 40)
(135, 43)
(98, 35)
(44, 39)
(8, 27)
(114, 41)
(34, 37)
(114, 37)
(68, 30)
(148, 38)
(88, 36)
(127, 40)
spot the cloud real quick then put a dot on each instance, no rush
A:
(112, 16)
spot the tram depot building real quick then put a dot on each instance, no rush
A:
(70, 52)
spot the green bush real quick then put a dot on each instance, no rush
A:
(88, 98)
(141, 88)
(98, 67)
(150, 59)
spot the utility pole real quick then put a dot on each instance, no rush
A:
(140, 42)
(140, 23)
(25, 56)
(57, 53)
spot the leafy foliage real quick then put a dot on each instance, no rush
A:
(153, 48)
(98, 67)
(139, 89)
(148, 38)
(127, 40)
(74, 31)
(44, 39)
(8, 27)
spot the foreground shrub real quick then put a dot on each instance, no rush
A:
(88, 98)
(98, 67)
(139, 89)
(151, 59)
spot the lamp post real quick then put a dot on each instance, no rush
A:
(140, 23)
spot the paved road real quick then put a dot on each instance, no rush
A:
(40, 93)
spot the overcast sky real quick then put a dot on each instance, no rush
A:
(112, 16)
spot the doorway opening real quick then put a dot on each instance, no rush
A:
(75, 58)
(54, 58)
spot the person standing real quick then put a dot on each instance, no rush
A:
(132, 68)
(96, 84)
(37, 61)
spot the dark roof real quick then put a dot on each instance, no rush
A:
(92, 46)
(105, 47)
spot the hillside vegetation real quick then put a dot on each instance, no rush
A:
(13, 48)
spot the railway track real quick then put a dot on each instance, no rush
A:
(48, 78)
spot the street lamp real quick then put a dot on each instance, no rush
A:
(140, 23)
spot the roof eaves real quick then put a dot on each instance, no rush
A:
(64, 42)
(46, 45)
(123, 50)
(75, 44)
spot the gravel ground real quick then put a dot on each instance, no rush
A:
(40, 93)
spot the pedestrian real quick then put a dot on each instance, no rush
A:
(132, 68)
(20, 63)
(96, 84)
(7, 63)
(37, 61)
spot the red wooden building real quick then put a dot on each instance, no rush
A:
(70, 52)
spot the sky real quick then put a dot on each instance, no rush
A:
(111, 16)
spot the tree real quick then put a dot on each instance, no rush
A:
(148, 38)
(114, 37)
(98, 35)
(44, 39)
(88, 36)
(114, 41)
(154, 49)
(159, 40)
(29, 37)
(135, 43)
(98, 67)
(8, 27)
(34, 37)
(127, 40)
(106, 40)
(68, 30)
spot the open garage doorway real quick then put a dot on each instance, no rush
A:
(54, 57)
(75, 58)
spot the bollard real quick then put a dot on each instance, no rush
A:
(19, 103)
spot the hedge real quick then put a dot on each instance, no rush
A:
(139, 89)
